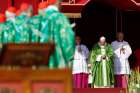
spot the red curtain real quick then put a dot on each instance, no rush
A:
(4, 5)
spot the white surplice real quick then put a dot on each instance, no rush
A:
(80, 64)
(121, 63)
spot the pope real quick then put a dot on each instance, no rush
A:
(101, 59)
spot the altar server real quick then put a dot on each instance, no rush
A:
(80, 65)
(122, 51)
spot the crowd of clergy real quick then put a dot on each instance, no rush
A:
(48, 26)
(106, 65)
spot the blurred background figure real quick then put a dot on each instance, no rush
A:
(80, 65)
(10, 13)
(122, 51)
(23, 31)
(38, 22)
(9, 33)
(57, 29)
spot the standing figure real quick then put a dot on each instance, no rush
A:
(36, 22)
(9, 33)
(22, 24)
(57, 30)
(102, 64)
(122, 51)
(80, 65)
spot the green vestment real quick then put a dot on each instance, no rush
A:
(57, 29)
(102, 69)
(35, 26)
(23, 31)
(8, 32)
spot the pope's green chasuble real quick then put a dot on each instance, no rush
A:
(102, 65)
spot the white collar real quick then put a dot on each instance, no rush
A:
(102, 45)
(11, 19)
(10, 14)
(50, 7)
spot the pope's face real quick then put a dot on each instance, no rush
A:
(102, 41)
(78, 40)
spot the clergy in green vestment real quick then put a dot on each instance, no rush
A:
(22, 24)
(102, 65)
(9, 33)
(44, 26)
(57, 29)
(37, 22)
